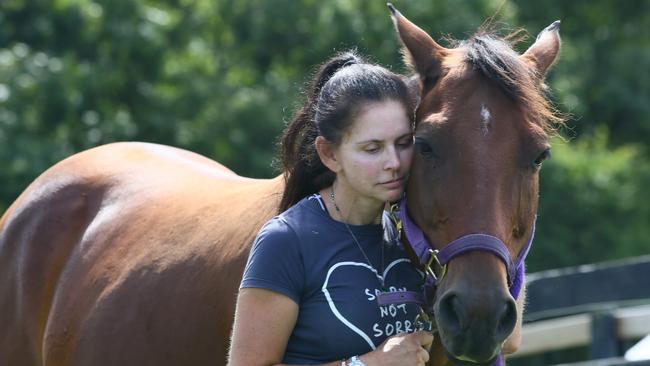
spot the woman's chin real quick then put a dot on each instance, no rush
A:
(393, 195)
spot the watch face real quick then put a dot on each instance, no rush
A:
(355, 361)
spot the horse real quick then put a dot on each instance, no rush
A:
(131, 253)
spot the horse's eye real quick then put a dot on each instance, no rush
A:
(424, 148)
(546, 154)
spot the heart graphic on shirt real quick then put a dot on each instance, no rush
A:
(363, 266)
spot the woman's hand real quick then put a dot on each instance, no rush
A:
(408, 349)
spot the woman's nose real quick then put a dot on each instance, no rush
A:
(392, 159)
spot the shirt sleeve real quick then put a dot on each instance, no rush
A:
(275, 261)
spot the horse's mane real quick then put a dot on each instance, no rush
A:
(494, 57)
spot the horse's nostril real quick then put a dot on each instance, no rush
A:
(507, 320)
(451, 311)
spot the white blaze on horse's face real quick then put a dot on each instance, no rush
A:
(486, 118)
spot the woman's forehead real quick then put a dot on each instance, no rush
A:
(380, 121)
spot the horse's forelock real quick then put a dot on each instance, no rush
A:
(494, 58)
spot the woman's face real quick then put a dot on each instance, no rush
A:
(374, 155)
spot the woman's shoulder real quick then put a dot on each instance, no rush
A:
(296, 218)
(307, 210)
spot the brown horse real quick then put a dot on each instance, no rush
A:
(131, 253)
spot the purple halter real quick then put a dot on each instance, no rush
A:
(427, 255)
(473, 242)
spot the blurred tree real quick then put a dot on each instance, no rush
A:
(602, 77)
(221, 77)
(218, 78)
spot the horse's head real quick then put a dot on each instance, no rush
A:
(481, 136)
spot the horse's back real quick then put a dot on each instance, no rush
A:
(127, 254)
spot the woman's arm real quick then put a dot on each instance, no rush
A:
(263, 323)
(264, 320)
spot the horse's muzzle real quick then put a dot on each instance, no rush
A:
(472, 326)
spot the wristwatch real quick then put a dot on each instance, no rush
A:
(354, 361)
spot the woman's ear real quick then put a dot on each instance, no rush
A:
(327, 153)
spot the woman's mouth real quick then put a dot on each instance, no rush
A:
(393, 184)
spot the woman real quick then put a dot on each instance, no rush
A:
(308, 294)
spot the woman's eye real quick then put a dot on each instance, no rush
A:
(405, 143)
(371, 149)
(546, 154)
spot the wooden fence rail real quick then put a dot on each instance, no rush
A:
(596, 305)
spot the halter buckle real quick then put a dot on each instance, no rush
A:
(441, 269)
(396, 220)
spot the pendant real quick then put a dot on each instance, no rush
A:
(423, 322)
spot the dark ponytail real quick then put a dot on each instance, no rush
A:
(338, 90)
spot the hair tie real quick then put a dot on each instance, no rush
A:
(349, 62)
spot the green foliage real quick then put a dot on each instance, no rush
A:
(221, 78)
(593, 203)
(601, 77)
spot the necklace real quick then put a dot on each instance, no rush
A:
(354, 238)
(422, 320)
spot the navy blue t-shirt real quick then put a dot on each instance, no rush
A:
(306, 255)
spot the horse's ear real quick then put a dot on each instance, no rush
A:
(421, 53)
(543, 53)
